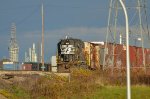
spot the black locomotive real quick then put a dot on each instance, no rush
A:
(70, 53)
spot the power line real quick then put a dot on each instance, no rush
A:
(22, 20)
(18, 7)
(74, 7)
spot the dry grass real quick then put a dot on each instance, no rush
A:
(83, 84)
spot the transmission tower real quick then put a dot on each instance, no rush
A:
(13, 46)
(138, 27)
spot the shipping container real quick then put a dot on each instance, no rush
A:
(8, 67)
(11, 66)
(27, 67)
(32, 66)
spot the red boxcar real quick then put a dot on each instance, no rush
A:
(118, 57)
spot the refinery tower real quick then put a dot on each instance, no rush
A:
(13, 46)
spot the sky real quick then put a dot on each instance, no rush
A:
(83, 19)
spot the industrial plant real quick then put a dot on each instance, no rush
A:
(31, 56)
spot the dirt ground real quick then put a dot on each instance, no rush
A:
(2, 97)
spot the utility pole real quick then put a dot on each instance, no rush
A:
(42, 39)
(127, 51)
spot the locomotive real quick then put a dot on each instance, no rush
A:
(70, 53)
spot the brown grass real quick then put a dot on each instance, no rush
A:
(83, 83)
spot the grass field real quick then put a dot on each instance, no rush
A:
(83, 84)
(119, 92)
(107, 92)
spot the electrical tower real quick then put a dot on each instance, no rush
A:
(138, 28)
(13, 46)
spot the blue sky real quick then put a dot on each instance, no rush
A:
(84, 19)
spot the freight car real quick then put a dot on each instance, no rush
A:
(70, 53)
(115, 56)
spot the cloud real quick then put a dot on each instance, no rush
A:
(85, 33)
(52, 37)
(81, 32)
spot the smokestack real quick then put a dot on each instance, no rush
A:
(30, 55)
(34, 56)
(33, 46)
(120, 38)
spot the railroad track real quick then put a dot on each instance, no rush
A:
(31, 73)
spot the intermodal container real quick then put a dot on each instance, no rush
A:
(8, 67)
(11, 66)
(35, 66)
(27, 67)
